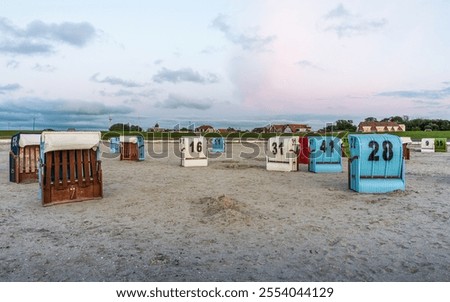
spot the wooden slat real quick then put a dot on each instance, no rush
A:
(126, 150)
(72, 166)
(26, 159)
(57, 169)
(38, 157)
(87, 176)
(17, 169)
(93, 163)
(33, 159)
(21, 161)
(64, 168)
(79, 167)
(48, 170)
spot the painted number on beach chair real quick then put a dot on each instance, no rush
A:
(199, 147)
(275, 148)
(387, 154)
(15, 142)
(323, 146)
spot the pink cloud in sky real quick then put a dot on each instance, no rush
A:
(272, 80)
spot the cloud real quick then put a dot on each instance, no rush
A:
(58, 113)
(128, 93)
(425, 94)
(252, 42)
(44, 68)
(211, 50)
(184, 75)
(115, 81)
(308, 64)
(60, 106)
(338, 12)
(12, 64)
(158, 62)
(40, 38)
(9, 88)
(426, 104)
(176, 102)
(345, 24)
(132, 101)
(75, 34)
(25, 47)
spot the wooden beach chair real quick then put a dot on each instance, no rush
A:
(132, 148)
(24, 157)
(70, 167)
(406, 141)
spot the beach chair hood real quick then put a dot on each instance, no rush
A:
(56, 141)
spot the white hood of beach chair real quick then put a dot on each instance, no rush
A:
(406, 140)
(56, 141)
(29, 140)
(128, 139)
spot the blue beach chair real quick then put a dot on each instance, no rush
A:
(376, 163)
(326, 154)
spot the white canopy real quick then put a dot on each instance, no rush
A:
(129, 139)
(29, 139)
(406, 140)
(56, 141)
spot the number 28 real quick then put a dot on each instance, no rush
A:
(387, 154)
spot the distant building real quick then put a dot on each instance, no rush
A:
(277, 128)
(381, 127)
(261, 130)
(157, 128)
(223, 131)
(290, 128)
(205, 129)
(297, 128)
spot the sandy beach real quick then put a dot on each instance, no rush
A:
(230, 221)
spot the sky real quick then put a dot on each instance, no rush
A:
(89, 64)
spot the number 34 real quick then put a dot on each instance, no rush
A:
(387, 155)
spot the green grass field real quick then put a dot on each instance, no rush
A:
(415, 135)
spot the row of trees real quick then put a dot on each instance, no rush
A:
(418, 124)
(119, 127)
(427, 124)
